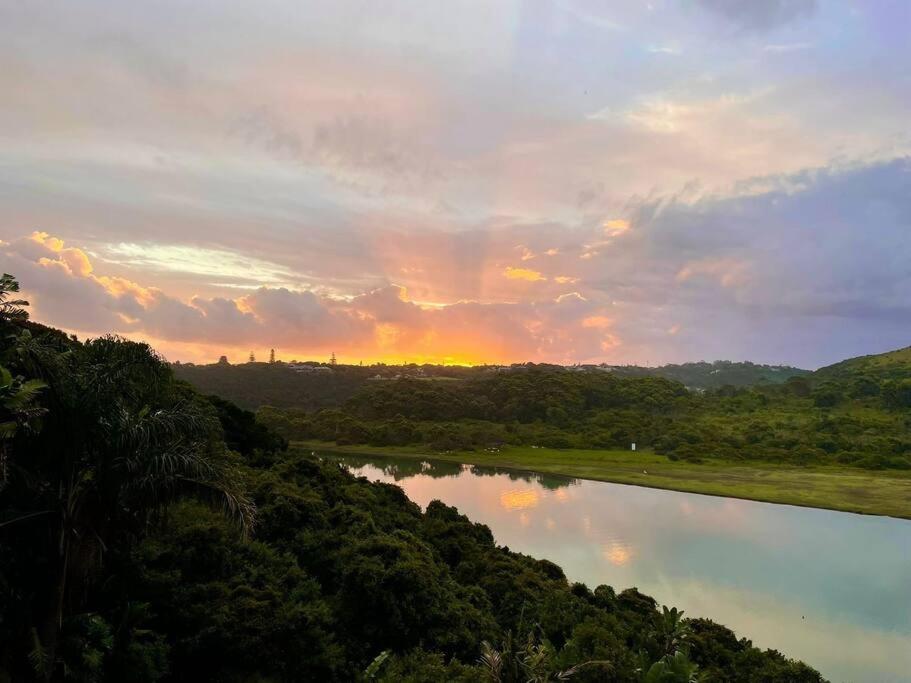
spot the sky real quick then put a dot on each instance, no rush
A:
(464, 182)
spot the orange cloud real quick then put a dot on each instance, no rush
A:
(523, 274)
(519, 499)
(381, 324)
(598, 321)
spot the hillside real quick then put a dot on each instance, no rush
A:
(312, 386)
(720, 373)
(251, 385)
(891, 365)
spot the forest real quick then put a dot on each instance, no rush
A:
(855, 416)
(279, 384)
(152, 533)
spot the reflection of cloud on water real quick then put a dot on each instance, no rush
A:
(516, 499)
(587, 525)
(619, 553)
(755, 567)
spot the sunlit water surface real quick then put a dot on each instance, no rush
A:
(830, 588)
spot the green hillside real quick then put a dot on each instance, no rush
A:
(891, 365)
(313, 386)
(720, 373)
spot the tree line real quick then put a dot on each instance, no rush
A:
(857, 421)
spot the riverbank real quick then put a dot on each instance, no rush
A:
(833, 488)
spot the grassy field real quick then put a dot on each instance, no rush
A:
(834, 488)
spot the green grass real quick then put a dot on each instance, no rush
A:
(835, 488)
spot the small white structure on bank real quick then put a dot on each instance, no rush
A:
(632, 446)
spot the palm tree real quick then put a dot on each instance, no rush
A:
(18, 409)
(120, 442)
(11, 309)
(533, 662)
(676, 668)
(671, 630)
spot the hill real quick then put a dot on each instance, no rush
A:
(720, 373)
(312, 386)
(251, 385)
(892, 365)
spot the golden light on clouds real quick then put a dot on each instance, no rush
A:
(616, 227)
(52, 243)
(519, 499)
(387, 335)
(523, 274)
(598, 321)
(383, 324)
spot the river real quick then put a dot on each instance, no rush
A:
(830, 588)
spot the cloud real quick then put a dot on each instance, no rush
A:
(383, 323)
(615, 227)
(786, 47)
(370, 151)
(526, 274)
(381, 164)
(760, 15)
(815, 267)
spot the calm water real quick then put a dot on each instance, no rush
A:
(830, 588)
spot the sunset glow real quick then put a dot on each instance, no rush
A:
(568, 182)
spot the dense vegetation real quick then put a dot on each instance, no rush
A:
(148, 533)
(715, 375)
(858, 418)
(277, 384)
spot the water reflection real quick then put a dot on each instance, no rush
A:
(519, 500)
(802, 581)
(619, 553)
(403, 468)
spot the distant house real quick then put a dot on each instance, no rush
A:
(309, 368)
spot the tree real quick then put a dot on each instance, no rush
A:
(119, 443)
(18, 409)
(897, 394)
(671, 630)
(252, 357)
(11, 309)
(676, 668)
(272, 355)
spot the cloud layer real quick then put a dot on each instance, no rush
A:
(761, 274)
(704, 179)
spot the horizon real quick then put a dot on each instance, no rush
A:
(568, 182)
(371, 363)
